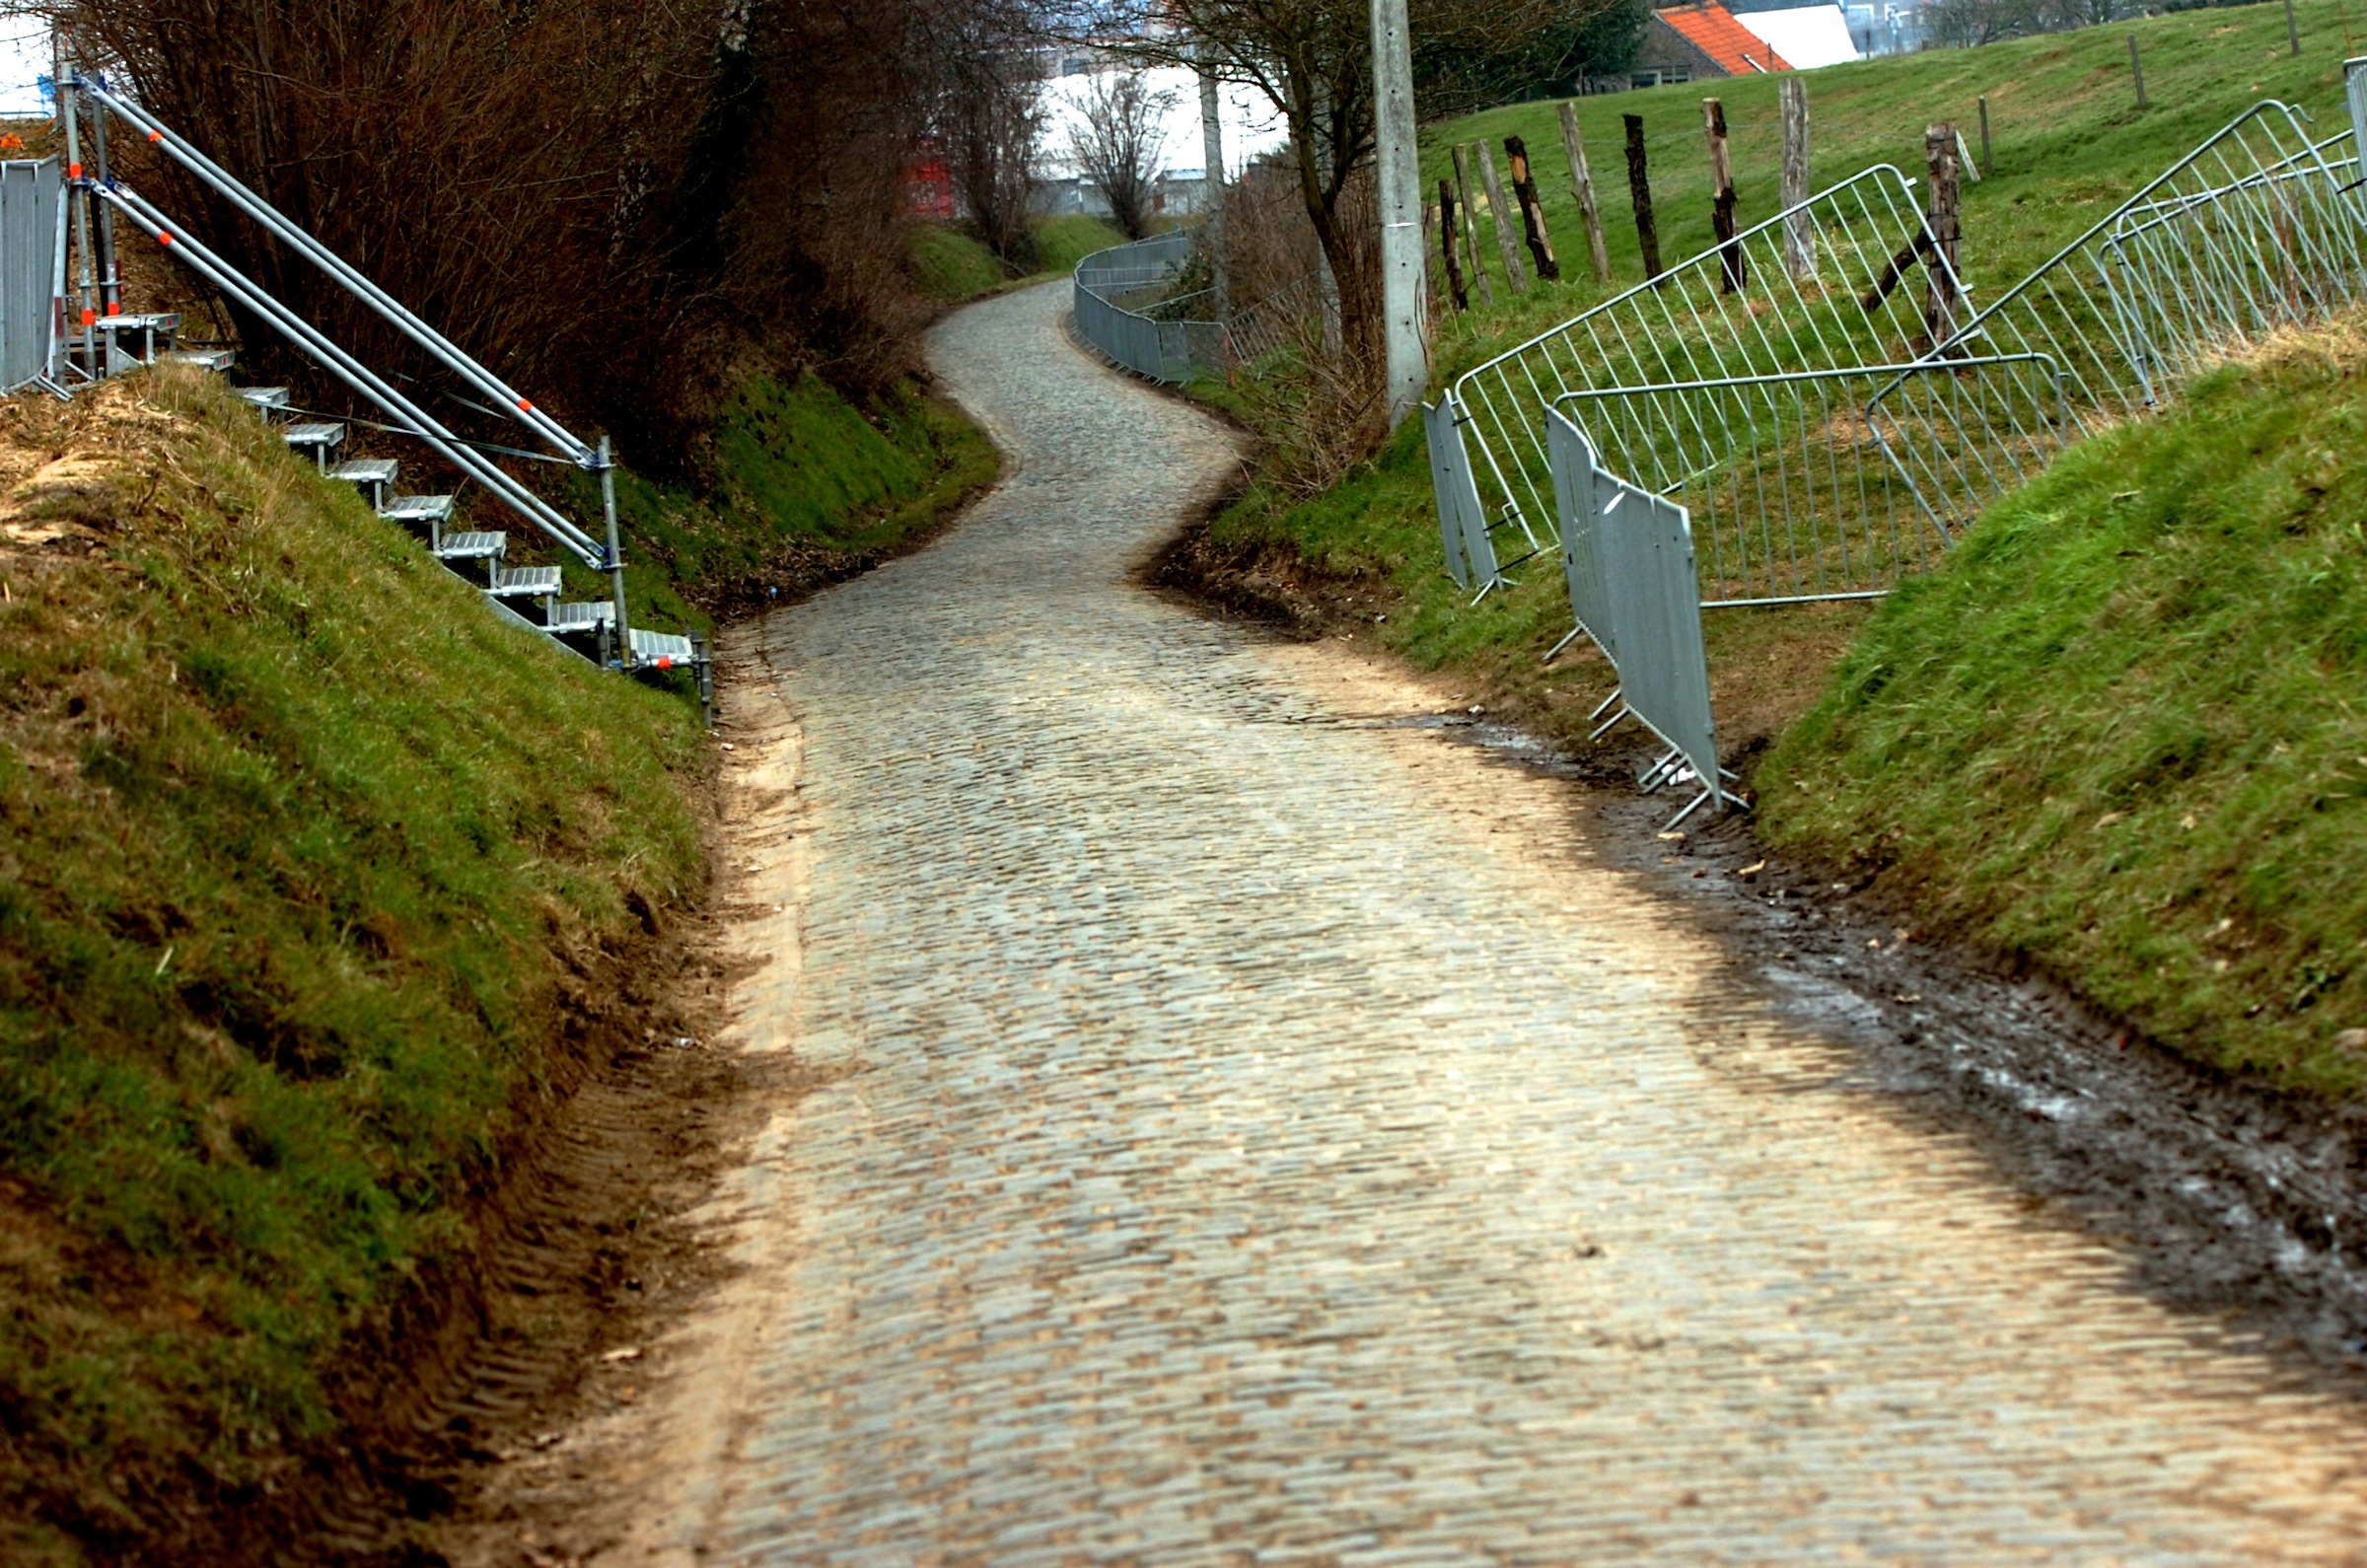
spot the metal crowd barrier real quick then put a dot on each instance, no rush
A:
(1125, 309)
(1833, 282)
(1627, 555)
(33, 216)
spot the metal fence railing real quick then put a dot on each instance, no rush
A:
(1830, 483)
(32, 224)
(2257, 229)
(1818, 286)
(1819, 403)
(1628, 557)
(1126, 306)
(1830, 435)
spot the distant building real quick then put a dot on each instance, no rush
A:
(1702, 43)
(1807, 37)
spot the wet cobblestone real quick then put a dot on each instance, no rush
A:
(1260, 1136)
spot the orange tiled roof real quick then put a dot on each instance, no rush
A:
(1712, 29)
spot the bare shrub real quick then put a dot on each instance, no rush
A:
(1120, 142)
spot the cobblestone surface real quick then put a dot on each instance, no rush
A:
(1260, 1135)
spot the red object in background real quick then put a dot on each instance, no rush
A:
(929, 184)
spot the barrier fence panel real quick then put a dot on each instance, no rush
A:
(1857, 295)
(2256, 230)
(32, 201)
(1438, 431)
(1576, 472)
(1126, 306)
(1829, 483)
(1629, 558)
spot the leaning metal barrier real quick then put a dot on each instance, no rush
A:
(1830, 483)
(1462, 525)
(31, 213)
(1628, 557)
(1830, 283)
(2256, 230)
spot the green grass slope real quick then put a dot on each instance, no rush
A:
(954, 267)
(797, 482)
(2121, 731)
(296, 843)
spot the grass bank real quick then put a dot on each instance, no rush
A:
(954, 267)
(302, 856)
(797, 487)
(2119, 731)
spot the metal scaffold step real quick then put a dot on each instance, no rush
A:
(662, 649)
(525, 582)
(471, 545)
(216, 360)
(427, 512)
(373, 476)
(316, 439)
(270, 400)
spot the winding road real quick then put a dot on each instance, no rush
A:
(1250, 1129)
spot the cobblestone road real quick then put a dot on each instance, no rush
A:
(1256, 1135)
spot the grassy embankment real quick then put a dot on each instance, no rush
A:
(954, 267)
(2069, 142)
(2121, 729)
(300, 849)
(798, 488)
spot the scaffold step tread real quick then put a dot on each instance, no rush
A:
(418, 508)
(471, 545)
(365, 470)
(530, 581)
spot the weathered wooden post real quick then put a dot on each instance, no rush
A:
(1799, 229)
(1506, 246)
(1988, 164)
(2137, 69)
(1722, 198)
(1940, 158)
(1533, 211)
(1471, 227)
(1446, 244)
(1582, 186)
(1639, 194)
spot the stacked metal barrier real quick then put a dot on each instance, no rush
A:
(1821, 406)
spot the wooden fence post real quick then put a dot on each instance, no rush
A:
(1799, 230)
(1470, 228)
(1582, 186)
(1987, 164)
(1939, 157)
(1722, 199)
(1533, 211)
(2137, 69)
(1446, 241)
(1639, 194)
(1506, 245)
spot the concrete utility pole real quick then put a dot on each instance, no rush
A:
(1212, 182)
(1405, 291)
